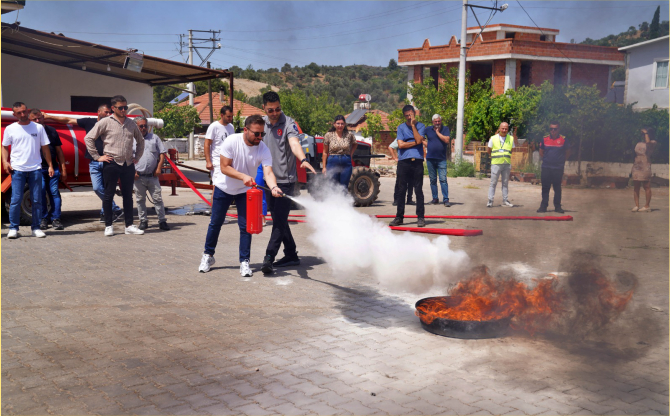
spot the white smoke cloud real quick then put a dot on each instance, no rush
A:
(353, 242)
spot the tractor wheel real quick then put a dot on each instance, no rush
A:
(364, 186)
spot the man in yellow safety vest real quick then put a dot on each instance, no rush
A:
(500, 148)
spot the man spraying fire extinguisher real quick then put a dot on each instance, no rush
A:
(240, 156)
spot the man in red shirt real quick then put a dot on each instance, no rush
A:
(554, 151)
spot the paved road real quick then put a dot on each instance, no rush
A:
(126, 325)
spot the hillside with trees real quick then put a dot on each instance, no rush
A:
(339, 86)
(645, 31)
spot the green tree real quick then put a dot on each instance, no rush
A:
(396, 118)
(393, 65)
(178, 121)
(654, 27)
(443, 100)
(314, 114)
(373, 126)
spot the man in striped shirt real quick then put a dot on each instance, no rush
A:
(118, 134)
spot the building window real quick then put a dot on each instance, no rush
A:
(84, 104)
(509, 35)
(543, 38)
(660, 74)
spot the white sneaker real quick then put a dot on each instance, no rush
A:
(206, 262)
(109, 231)
(489, 204)
(226, 220)
(507, 204)
(39, 233)
(245, 270)
(12, 234)
(134, 230)
(635, 209)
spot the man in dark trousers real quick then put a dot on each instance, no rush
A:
(94, 167)
(410, 165)
(281, 137)
(437, 146)
(118, 134)
(50, 183)
(554, 150)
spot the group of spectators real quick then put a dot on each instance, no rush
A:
(123, 151)
(120, 150)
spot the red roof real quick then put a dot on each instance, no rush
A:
(201, 104)
(385, 119)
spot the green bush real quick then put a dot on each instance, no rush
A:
(460, 169)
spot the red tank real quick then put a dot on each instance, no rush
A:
(254, 211)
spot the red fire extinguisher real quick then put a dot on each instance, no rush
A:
(254, 210)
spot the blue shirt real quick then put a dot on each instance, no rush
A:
(437, 149)
(406, 134)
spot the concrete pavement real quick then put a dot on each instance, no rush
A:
(126, 325)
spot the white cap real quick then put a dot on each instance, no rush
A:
(436, 116)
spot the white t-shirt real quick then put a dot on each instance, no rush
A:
(217, 133)
(26, 142)
(246, 159)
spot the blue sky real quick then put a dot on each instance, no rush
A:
(269, 34)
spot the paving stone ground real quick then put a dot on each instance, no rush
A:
(126, 325)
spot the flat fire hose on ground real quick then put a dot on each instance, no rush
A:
(190, 185)
(486, 217)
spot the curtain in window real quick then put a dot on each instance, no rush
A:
(661, 75)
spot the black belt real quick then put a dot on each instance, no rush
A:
(146, 174)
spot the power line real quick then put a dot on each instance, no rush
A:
(551, 43)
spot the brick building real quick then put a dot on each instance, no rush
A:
(201, 103)
(357, 120)
(514, 56)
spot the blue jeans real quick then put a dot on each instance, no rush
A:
(437, 167)
(50, 190)
(339, 168)
(95, 169)
(260, 180)
(220, 203)
(19, 180)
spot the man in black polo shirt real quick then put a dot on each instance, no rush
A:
(50, 183)
(554, 150)
(94, 167)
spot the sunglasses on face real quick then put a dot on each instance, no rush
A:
(257, 133)
(121, 107)
(273, 110)
(553, 128)
(142, 126)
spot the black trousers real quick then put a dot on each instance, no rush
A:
(281, 232)
(410, 174)
(111, 173)
(396, 191)
(551, 177)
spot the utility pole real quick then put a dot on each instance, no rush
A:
(191, 97)
(209, 91)
(461, 68)
(461, 83)
(191, 85)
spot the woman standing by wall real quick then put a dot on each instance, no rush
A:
(642, 169)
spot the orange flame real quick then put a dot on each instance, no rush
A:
(484, 298)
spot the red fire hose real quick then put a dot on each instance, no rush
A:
(190, 185)
(486, 217)
(440, 231)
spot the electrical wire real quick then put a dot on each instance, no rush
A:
(541, 31)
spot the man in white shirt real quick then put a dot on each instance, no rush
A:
(239, 158)
(26, 139)
(216, 134)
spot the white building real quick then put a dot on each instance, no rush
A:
(56, 73)
(647, 73)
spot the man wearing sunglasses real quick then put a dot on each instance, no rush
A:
(118, 134)
(281, 137)
(240, 156)
(94, 167)
(554, 150)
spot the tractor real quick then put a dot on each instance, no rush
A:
(364, 183)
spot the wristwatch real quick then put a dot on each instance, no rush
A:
(303, 161)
